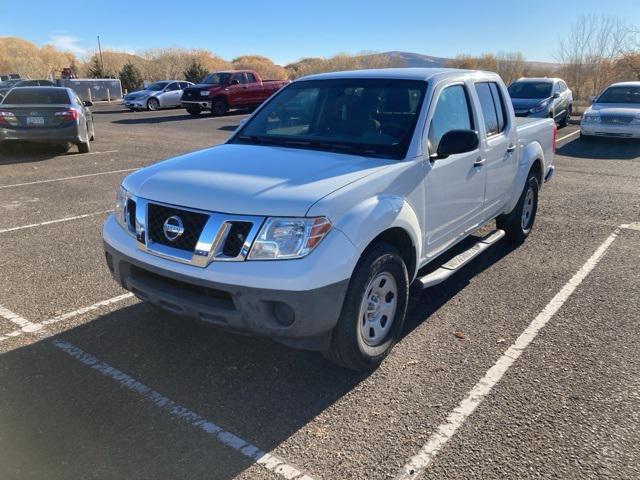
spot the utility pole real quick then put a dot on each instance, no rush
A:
(100, 50)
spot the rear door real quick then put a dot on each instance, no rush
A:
(454, 186)
(255, 90)
(498, 143)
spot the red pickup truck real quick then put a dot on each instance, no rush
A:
(224, 90)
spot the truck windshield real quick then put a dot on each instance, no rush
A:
(620, 95)
(530, 90)
(216, 79)
(370, 117)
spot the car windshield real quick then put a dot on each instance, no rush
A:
(629, 94)
(530, 90)
(216, 79)
(37, 96)
(358, 116)
(155, 87)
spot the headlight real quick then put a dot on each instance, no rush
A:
(591, 118)
(282, 238)
(121, 208)
(539, 108)
(204, 93)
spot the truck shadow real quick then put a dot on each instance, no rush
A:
(601, 149)
(146, 120)
(254, 388)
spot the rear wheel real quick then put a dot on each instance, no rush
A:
(92, 135)
(153, 104)
(219, 106)
(519, 223)
(373, 311)
(194, 110)
(566, 118)
(84, 147)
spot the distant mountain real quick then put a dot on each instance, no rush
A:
(416, 60)
(410, 59)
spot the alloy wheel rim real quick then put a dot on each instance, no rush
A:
(378, 309)
(527, 209)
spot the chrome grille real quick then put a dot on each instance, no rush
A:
(207, 236)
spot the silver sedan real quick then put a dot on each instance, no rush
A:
(164, 94)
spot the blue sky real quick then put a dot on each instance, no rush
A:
(289, 30)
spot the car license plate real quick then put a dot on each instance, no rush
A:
(35, 120)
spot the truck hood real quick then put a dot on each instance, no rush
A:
(251, 180)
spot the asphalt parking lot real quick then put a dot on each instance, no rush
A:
(524, 365)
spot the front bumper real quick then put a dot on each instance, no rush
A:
(301, 312)
(196, 103)
(69, 134)
(137, 104)
(607, 130)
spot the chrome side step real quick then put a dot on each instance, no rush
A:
(460, 260)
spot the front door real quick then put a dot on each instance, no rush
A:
(454, 186)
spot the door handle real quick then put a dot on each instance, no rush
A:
(479, 162)
(511, 148)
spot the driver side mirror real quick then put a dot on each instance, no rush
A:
(457, 141)
(555, 95)
(88, 103)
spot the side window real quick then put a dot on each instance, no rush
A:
(452, 112)
(173, 86)
(237, 78)
(501, 110)
(563, 86)
(493, 107)
(251, 78)
(183, 85)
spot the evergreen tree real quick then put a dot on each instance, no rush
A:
(195, 72)
(97, 70)
(130, 77)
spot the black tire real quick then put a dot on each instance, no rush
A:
(219, 106)
(566, 118)
(84, 147)
(348, 347)
(516, 225)
(194, 110)
(153, 104)
(92, 132)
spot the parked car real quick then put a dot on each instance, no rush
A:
(309, 227)
(24, 83)
(164, 94)
(54, 115)
(542, 97)
(9, 76)
(221, 91)
(614, 113)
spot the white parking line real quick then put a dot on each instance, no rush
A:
(567, 136)
(30, 327)
(36, 182)
(51, 222)
(24, 324)
(417, 464)
(90, 308)
(250, 451)
(88, 153)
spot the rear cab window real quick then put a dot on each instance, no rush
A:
(37, 96)
(493, 107)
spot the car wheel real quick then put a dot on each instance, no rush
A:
(194, 110)
(84, 147)
(373, 312)
(219, 106)
(92, 136)
(518, 224)
(566, 118)
(153, 104)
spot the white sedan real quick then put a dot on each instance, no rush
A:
(614, 113)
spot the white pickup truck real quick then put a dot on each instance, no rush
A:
(310, 223)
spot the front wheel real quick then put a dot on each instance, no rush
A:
(566, 118)
(219, 106)
(153, 104)
(373, 312)
(194, 110)
(518, 224)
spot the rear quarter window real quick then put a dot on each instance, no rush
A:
(493, 107)
(25, 96)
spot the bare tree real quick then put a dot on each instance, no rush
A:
(591, 48)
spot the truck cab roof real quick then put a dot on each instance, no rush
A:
(423, 74)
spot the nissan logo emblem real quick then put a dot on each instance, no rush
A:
(173, 228)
